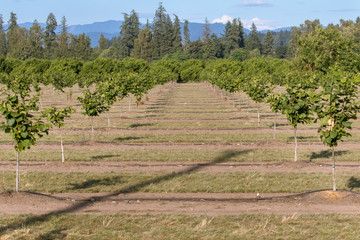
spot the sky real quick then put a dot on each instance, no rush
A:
(266, 14)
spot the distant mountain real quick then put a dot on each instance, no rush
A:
(111, 29)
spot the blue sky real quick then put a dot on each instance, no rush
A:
(266, 14)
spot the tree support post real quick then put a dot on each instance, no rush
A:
(333, 168)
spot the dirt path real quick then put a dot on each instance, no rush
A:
(134, 167)
(187, 203)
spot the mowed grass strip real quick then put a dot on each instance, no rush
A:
(182, 182)
(176, 226)
(182, 137)
(180, 155)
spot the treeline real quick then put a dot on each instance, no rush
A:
(164, 37)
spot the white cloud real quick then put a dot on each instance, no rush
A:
(255, 3)
(224, 19)
(261, 24)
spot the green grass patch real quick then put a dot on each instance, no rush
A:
(239, 182)
(180, 155)
(176, 226)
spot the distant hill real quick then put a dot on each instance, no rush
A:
(111, 29)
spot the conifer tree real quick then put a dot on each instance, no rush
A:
(128, 33)
(208, 48)
(159, 32)
(177, 34)
(234, 35)
(15, 36)
(2, 38)
(35, 41)
(103, 43)
(80, 47)
(142, 46)
(186, 40)
(253, 41)
(63, 40)
(50, 36)
(268, 44)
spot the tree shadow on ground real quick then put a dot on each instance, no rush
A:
(101, 157)
(54, 234)
(33, 220)
(108, 181)
(137, 125)
(302, 138)
(121, 139)
(326, 154)
(353, 182)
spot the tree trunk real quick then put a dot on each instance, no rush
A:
(129, 105)
(108, 120)
(62, 148)
(333, 168)
(274, 136)
(92, 129)
(296, 144)
(258, 110)
(17, 172)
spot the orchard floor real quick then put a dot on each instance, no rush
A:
(184, 203)
(181, 131)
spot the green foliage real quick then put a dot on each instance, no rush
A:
(23, 126)
(164, 71)
(338, 105)
(63, 73)
(57, 117)
(94, 103)
(324, 48)
(223, 73)
(190, 70)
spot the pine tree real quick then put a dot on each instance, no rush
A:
(129, 32)
(15, 38)
(80, 47)
(187, 40)
(268, 44)
(253, 41)
(206, 30)
(35, 41)
(177, 34)
(103, 43)
(234, 36)
(63, 40)
(2, 38)
(143, 47)
(159, 32)
(208, 48)
(50, 36)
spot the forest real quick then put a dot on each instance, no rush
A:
(163, 37)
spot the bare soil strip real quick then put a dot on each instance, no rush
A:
(134, 167)
(318, 203)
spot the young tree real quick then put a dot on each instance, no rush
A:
(57, 118)
(298, 101)
(17, 108)
(337, 107)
